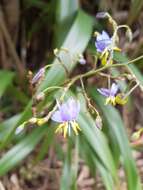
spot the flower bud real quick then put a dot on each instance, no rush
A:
(40, 97)
(81, 60)
(98, 122)
(38, 76)
(101, 15)
(33, 120)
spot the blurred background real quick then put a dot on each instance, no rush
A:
(29, 31)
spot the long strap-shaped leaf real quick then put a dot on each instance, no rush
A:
(21, 150)
(75, 41)
(116, 126)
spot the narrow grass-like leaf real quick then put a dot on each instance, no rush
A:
(65, 14)
(75, 43)
(94, 164)
(6, 79)
(21, 150)
(98, 142)
(135, 10)
(116, 126)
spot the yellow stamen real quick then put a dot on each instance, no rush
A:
(104, 58)
(74, 127)
(59, 127)
(107, 101)
(120, 99)
(65, 129)
(110, 100)
(116, 49)
(77, 126)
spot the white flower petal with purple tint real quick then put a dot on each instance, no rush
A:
(38, 75)
(110, 94)
(82, 61)
(67, 114)
(19, 129)
(67, 111)
(57, 117)
(101, 15)
(104, 91)
(103, 40)
(114, 89)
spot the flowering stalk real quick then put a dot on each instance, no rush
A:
(66, 113)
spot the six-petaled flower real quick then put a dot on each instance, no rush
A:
(66, 115)
(105, 45)
(110, 93)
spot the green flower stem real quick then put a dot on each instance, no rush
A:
(51, 88)
(93, 72)
(132, 89)
(85, 75)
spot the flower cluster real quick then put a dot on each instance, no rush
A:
(66, 113)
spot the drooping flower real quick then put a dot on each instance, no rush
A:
(38, 76)
(105, 47)
(110, 94)
(66, 115)
(102, 41)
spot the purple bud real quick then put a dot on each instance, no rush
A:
(38, 76)
(101, 15)
(82, 61)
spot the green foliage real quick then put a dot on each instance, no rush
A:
(6, 79)
(103, 151)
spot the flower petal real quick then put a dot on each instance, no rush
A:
(102, 44)
(105, 35)
(65, 112)
(114, 89)
(102, 41)
(57, 117)
(38, 75)
(68, 111)
(82, 61)
(104, 91)
(74, 107)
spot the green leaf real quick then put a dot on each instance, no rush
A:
(65, 14)
(6, 79)
(21, 150)
(116, 126)
(98, 142)
(76, 41)
(135, 10)
(95, 164)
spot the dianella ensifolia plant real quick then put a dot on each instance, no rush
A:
(72, 117)
(66, 111)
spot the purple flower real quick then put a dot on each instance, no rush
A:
(102, 41)
(110, 94)
(38, 76)
(67, 114)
